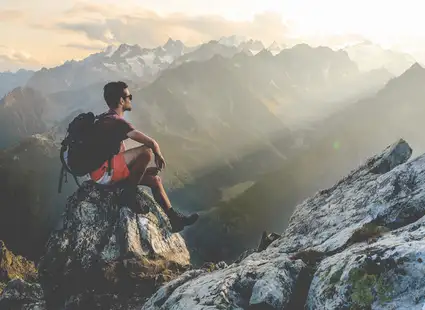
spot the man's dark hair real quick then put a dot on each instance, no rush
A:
(112, 92)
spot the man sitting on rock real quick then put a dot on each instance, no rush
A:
(131, 166)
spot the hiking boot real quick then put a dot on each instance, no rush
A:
(129, 198)
(179, 221)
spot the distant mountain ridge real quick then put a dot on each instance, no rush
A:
(370, 56)
(23, 112)
(11, 80)
(126, 62)
(135, 63)
(132, 62)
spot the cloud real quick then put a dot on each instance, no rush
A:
(11, 59)
(93, 31)
(85, 46)
(83, 8)
(112, 25)
(11, 15)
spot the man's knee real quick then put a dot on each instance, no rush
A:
(153, 181)
(145, 154)
(137, 155)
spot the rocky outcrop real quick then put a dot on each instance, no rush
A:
(107, 257)
(357, 245)
(381, 191)
(385, 272)
(18, 287)
(21, 295)
(15, 266)
(265, 280)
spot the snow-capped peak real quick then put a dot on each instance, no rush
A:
(110, 50)
(275, 47)
(174, 47)
(232, 40)
(127, 50)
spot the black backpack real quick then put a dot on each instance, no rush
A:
(87, 147)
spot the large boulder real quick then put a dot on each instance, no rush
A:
(105, 256)
(265, 280)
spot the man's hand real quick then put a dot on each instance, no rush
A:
(152, 171)
(159, 161)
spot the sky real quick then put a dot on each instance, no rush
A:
(46, 33)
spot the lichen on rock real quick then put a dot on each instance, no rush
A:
(15, 267)
(387, 274)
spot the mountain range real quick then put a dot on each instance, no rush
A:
(224, 116)
(370, 56)
(133, 62)
(130, 62)
(10, 80)
(23, 112)
(187, 109)
(335, 145)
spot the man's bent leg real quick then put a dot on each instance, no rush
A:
(178, 221)
(153, 181)
(137, 160)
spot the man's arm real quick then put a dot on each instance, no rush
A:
(151, 143)
(144, 139)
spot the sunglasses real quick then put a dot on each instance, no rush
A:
(128, 96)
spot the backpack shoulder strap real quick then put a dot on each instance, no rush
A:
(64, 170)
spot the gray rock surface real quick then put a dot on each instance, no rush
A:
(105, 249)
(388, 272)
(383, 191)
(263, 280)
(22, 295)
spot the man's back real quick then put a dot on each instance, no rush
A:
(114, 129)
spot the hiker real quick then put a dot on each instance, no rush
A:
(130, 167)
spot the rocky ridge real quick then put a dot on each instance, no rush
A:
(357, 245)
